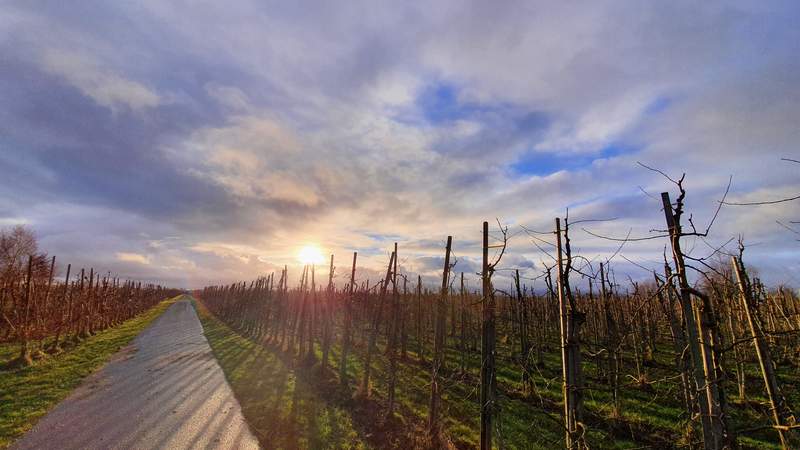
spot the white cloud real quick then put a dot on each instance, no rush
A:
(230, 97)
(13, 221)
(133, 257)
(97, 82)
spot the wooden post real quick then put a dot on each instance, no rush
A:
(463, 343)
(404, 320)
(365, 385)
(348, 320)
(612, 342)
(62, 320)
(327, 319)
(678, 341)
(523, 335)
(420, 355)
(438, 348)
(487, 347)
(777, 405)
(285, 308)
(392, 338)
(711, 438)
(312, 323)
(566, 369)
(25, 351)
(49, 285)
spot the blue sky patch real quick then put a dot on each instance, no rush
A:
(658, 105)
(543, 164)
(439, 103)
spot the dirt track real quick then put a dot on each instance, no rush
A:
(165, 390)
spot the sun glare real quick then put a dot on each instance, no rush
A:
(310, 254)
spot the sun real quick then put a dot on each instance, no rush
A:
(310, 254)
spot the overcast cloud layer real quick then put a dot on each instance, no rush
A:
(201, 142)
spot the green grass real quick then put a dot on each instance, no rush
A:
(26, 394)
(280, 405)
(651, 418)
(283, 410)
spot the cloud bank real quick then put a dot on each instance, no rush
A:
(197, 143)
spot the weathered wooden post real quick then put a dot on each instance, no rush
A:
(348, 320)
(678, 340)
(612, 342)
(326, 312)
(487, 394)
(780, 413)
(523, 335)
(25, 351)
(419, 318)
(463, 342)
(373, 336)
(701, 368)
(392, 338)
(566, 366)
(62, 320)
(438, 347)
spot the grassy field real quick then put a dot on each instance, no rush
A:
(284, 410)
(26, 394)
(292, 405)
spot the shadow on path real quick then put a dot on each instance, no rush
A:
(165, 390)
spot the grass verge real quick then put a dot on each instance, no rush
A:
(283, 410)
(26, 394)
(270, 384)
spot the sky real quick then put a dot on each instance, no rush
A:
(200, 142)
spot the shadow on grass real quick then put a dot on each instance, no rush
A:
(284, 409)
(291, 405)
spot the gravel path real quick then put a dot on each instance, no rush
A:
(165, 390)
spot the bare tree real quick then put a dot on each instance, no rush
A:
(571, 321)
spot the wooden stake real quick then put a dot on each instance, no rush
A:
(711, 438)
(348, 320)
(780, 412)
(487, 347)
(438, 347)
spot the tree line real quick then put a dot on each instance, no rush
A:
(45, 315)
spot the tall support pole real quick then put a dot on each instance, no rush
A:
(419, 318)
(678, 339)
(612, 341)
(373, 335)
(487, 347)
(711, 439)
(25, 352)
(779, 410)
(392, 338)
(326, 319)
(566, 372)
(438, 347)
(348, 320)
(522, 316)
